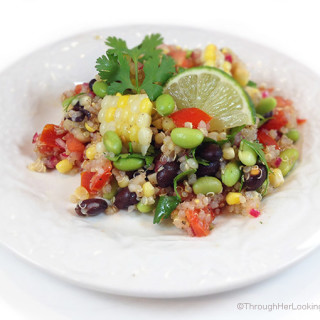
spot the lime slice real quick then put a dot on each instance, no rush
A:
(215, 92)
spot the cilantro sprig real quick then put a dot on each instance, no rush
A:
(114, 67)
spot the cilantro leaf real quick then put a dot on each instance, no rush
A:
(114, 67)
(180, 177)
(156, 74)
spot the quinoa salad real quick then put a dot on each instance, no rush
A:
(183, 135)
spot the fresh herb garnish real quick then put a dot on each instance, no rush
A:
(167, 204)
(258, 148)
(251, 84)
(114, 67)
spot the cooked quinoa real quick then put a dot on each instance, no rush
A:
(125, 143)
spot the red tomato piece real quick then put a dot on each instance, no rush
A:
(86, 177)
(73, 144)
(199, 227)
(78, 88)
(266, 140)
(48, 138)
(193, 115)
(301, 121)
(99, 180)
(278, 121)
(281, 102)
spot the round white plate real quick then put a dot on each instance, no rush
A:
(125, 253)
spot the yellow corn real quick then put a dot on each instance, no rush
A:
(148, 189)
(276, 178)
(90, 129)
(227, 66)
(130, 117)
(64, 166)
(233, 198)
(81, 193)
(210, 55)
(91, 152)
(255, 171)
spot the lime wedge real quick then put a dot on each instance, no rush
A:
(215, 92)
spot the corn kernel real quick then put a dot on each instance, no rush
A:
(81, 193)
(91, 152)
(148, 189)
(276, 178)
(64, 166)
(123, 182)
(228, 153)
(144, 120)
(133, 133)
(167, 124)
(110, 114)
(210, 63)
(118, 94)
(233, 198)
(122, 101)
(210, 53)
(146, 106)
(145, 136)
(226, 66)
(90, 129)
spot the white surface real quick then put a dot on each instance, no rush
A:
(23, 287)
(125, 253)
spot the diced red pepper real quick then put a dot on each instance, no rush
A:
(78, 89)
(95, 181)
(193, 115)
(266, 140)
(301, 121)
(199, 227)
(281, 102)
(48, 139)
(86, 177)
(278, 121)
(73, 144)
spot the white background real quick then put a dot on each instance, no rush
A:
(291, 27)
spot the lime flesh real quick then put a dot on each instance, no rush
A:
(215, 92)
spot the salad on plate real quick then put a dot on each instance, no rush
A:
(183, 135)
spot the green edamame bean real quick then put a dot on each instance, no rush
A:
(114, 189)
(266, 105)
(205, 185)
(187, 138)
(231, 174)
(100, 88)
(289, 158)
(144, 208)
(130, 164)
(112, 142)
(293, 134)
(165, 104)
(247, 155)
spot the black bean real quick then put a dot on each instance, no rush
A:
(209, 170)
(254, 182)
(209, 151)
(166, 175)
(87, 113)
(268, 115)
(91, 83)
(91, 207)
(76, 116)
(77, 106)
(125, 199)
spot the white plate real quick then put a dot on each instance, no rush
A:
(125, 254)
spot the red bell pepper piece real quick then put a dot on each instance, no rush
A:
(86, 177)
(48, 139)
(193, 115)
(78, 88)
(278, 121)
(301, 121)
(266, 140)
(73, 144)
(199, 227)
